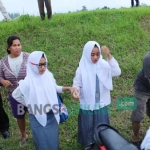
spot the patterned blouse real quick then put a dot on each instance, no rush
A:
(7, 74)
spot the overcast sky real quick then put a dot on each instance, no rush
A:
(31, 7)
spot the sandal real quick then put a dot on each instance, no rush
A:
(23, 142)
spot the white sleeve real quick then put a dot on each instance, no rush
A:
(58, 88)
(146, 142)
(115, 69)
(77, 81)
(17, 95)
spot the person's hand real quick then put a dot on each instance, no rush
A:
(71, 89)
(6, 83)
(105, 51)
(75, 94)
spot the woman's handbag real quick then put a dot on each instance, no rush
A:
(63, 112)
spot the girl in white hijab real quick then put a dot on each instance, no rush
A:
(93, 80)
(38, 91)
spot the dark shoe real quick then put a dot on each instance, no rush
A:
(42, 18)
(49, 19)
(5, 134)
(137, 144)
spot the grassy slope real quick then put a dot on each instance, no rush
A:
(125, 31)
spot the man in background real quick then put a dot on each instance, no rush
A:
(137, 3)
(48, 7)
(4, 11)
(142, 95)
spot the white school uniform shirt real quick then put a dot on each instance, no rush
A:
(17, 95)
(105, 98)
(146, 142)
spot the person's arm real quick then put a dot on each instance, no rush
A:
(67, 88)
(115, 69)
(3, 81)
(17, 95)
(149, 80)
(77, 83)
(1, 72)
(146, 66)
(61, 89)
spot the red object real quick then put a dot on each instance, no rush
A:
(102, 148)
(33, 63)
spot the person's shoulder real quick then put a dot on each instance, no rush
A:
(146, 59)
(48, 72)
(26, 54)
(140, 73)
(4, 58)
(148, 52)
(78, 70)
(104, 62)
(147, 55)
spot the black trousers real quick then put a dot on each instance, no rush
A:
(4, 120)
(132, 3)
(48, 8)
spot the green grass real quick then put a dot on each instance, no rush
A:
(125, 31)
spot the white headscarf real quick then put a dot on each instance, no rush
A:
(36, 87)
(89, 70)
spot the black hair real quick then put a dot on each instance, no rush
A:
(10, 41)
(95, 46)
(43, 55)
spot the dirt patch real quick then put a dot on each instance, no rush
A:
(145, 23)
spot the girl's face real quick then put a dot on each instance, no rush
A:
(15, 48)
(95, 55)
(42, 66)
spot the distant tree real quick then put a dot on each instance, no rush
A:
(143, 4)
(14, 15)
(84, 8)
(105, 7)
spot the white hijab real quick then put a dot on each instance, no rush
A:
(89, 70)
(36, 87)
